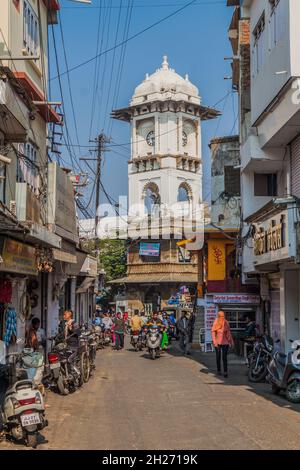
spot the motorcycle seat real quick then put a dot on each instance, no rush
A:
(20, 384)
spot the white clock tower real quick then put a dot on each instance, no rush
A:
(165, 168)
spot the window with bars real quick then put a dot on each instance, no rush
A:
(232, 181)
(27, 169)
(30, 29)
(259, 44)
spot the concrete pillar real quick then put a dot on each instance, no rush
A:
(73, 294)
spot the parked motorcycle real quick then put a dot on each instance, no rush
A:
(84, 357)
(259, 359)
(107, 337)
(98, 337)
(67, 368)
(154, 341)
(92, 348)
(23, 413)
(284, 373)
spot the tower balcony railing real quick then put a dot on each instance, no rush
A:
(149, 162)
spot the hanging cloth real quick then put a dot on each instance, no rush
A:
(10, 326)
(5, 291)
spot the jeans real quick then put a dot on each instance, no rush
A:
(184, 343)
(222, 350)
(119, 340)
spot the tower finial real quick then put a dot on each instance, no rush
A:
(165, 64)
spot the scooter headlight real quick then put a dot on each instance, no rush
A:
(15, 403)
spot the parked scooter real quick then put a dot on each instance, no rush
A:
(284, 373)
(259, 359)
(154, 341)
(23, 414)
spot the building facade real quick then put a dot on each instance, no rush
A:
(265, 39)
(39, 242)
(222, 285)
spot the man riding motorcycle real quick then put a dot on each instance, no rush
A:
(156, 321)
(136, 322)
(135, 326)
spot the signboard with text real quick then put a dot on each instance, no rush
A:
(210, 316)
(18, 258)
(149, 249)
(61, 200)
(236, 299)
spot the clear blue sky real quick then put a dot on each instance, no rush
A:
(195, 41)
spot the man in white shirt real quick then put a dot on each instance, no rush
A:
(107, 322)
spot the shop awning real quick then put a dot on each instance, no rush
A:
(85, 285)
(157, 278)
(9, 223)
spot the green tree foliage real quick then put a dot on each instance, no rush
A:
(112, 258)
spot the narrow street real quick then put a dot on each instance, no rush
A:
(173, 403)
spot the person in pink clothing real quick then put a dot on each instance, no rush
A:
(222, 341)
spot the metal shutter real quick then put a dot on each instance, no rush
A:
(295, 167)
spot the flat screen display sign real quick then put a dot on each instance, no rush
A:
(149, 249)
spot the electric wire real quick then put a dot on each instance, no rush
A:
(131, 38)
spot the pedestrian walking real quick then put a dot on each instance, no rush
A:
(119, 331)
(222, 341)
(184, 332)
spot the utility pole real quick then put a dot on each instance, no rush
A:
(101, 140)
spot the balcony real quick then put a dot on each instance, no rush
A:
(12, 114)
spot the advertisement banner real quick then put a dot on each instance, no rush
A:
(210, 316)
(216, 260)
(61, 201)
(149, 249)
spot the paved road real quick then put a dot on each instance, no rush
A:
(171, 403)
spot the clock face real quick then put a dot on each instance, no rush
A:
(184, 138)
(151, 138)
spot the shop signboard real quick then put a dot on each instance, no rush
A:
(216, 260)
(18, 258)
(61, 201)
(149, 249)
(272, 240)
(210, 316)
(90, 266)
(236, 299)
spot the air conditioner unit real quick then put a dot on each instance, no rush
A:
(13, 208)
